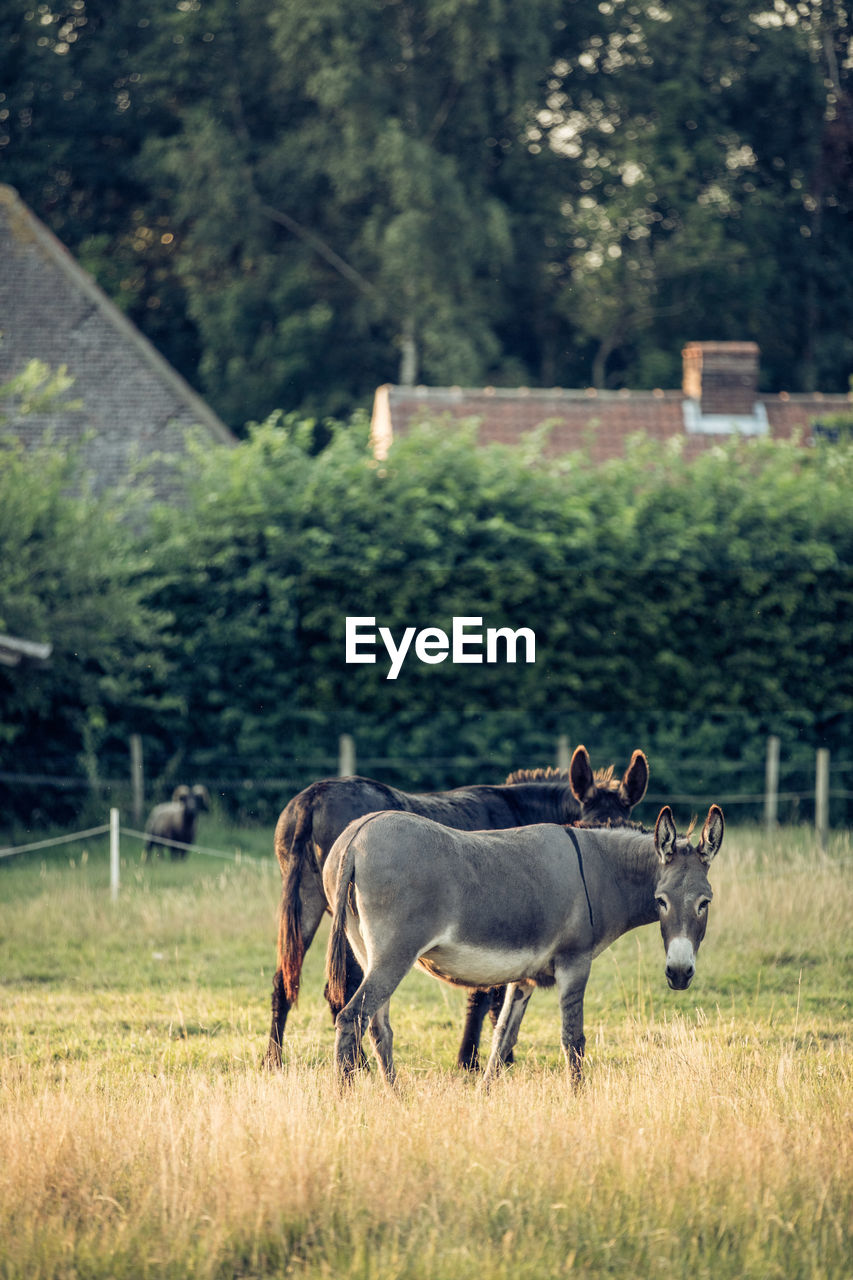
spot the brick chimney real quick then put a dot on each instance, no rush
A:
(721, 376)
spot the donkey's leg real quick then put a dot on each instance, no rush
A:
(375, 990)
(506, 1031)
(383, 1042)
(497, 996)
(312, 906)
(572, 973)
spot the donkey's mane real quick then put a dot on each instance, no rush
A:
(603, 777)
(611, 823)
(630, 825)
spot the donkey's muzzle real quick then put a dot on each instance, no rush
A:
(680, 964)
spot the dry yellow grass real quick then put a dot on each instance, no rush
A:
(702, 1158)
(713, 1136)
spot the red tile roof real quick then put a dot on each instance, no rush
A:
(599, 421)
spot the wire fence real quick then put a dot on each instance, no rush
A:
(115, 830)
(11, 850)
(798, 788)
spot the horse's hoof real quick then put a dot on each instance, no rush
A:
(271, 1060)
(469, 1061)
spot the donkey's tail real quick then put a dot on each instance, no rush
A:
(291, 944)
(336, 952)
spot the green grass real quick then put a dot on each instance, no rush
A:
(139, 1138)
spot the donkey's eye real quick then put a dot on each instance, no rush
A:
(702, 906)
(662, 904)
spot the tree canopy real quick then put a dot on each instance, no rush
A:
(298, 202)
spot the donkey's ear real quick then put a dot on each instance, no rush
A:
(636, 779)
(712, 834)
(202, 795)
(580, 774)
(665, 835)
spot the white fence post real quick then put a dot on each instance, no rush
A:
(821, 796)
(771, 783)
(346, 755)
(563, 757)
(114, 854)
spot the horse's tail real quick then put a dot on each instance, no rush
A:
(292, 854)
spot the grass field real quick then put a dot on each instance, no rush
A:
(138, 1137)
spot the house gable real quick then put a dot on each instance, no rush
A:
(131, 406)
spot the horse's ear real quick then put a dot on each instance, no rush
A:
(635, 780)
(712, 834)
(665, 834)
(580, 774)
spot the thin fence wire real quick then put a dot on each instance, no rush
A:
(740, 798)
(329, 765)
(234, 856)
(238, 857)
(48, 844)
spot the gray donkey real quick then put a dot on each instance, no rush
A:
(529, 907)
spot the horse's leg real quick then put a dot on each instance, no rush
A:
(383, 1040)
(506, 1031)
(468, 1056)
(571, 974)
(479, 1004)
(312, 906)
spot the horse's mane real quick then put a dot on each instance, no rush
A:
(536, 775)
(603, 777)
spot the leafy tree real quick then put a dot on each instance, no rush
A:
(70, 578)
(706, 204)
(299, 201)
(354, 220)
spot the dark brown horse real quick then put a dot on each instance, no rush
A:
(313, 819)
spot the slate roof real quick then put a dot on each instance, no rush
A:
(133, 404)
(723, 398)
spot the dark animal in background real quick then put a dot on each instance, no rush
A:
(313, 820)
(530, 907)
(176, 820)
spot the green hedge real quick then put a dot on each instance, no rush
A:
(690, 609)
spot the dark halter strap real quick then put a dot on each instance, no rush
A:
(574, 841)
